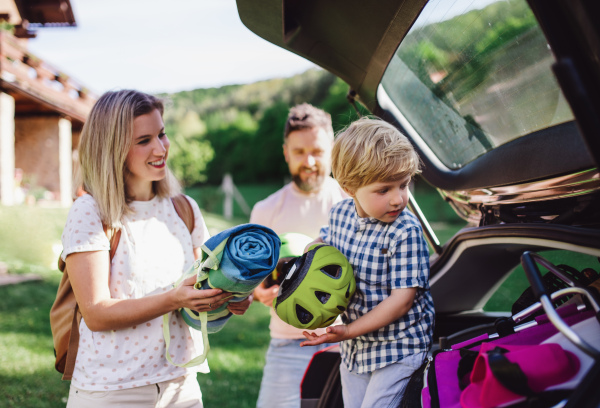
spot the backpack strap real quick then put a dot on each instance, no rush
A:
(73, 345)
(113, 236)
(184, 210)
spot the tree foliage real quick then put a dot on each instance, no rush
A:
(189, 157)
(461, 47)
(238, 129)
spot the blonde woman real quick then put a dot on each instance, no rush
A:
(121, 358)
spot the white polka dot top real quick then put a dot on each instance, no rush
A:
(154, 250)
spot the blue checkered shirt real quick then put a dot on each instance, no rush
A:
(384, 257)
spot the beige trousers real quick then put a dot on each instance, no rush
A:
(182, 392)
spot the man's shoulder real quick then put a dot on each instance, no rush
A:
(330, 192)
(272, 198)
(332, 187)
(263, 210)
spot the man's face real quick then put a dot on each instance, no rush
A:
(308, 155)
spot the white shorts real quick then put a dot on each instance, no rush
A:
(182, 392)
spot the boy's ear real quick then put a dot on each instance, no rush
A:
(348, 191)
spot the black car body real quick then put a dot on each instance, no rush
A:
(501, 100)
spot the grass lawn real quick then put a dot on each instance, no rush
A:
(27, 370)
(30, 243)
(236, 359)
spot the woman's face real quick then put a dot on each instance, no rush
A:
(147, 157)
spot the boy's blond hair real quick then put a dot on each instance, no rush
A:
(372, 150)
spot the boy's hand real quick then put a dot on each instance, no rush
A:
(316, 241)
(333, 335)
(389, 310)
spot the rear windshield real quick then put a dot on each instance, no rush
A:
(473, 75)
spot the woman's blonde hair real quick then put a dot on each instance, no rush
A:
(105, 142)
(371, 150)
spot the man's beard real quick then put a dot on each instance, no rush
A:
(311, 184)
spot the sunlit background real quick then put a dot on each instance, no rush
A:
(162, 46)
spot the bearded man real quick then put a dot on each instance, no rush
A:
(301, 206)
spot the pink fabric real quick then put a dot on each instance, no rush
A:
(446, 366)
(470, 341)
(448, 384)
(544, 365)
(425, 398)
(537, 334)
(563, 311)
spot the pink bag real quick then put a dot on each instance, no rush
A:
(508, 374)
(450, 370)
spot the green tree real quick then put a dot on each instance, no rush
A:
(190, 152)
(233, 148)
(337, 105)
(190, 125)
(189, 157)
(238, 129)
(268, 141)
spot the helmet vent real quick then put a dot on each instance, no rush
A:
(335, 271)
(341, 309)
(329, 321)
(303, 315)
(322, 296)
(289, 271)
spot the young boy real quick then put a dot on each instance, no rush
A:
(389, 322)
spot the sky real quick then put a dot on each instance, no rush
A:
(161, 46)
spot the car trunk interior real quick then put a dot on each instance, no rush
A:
(356, 41)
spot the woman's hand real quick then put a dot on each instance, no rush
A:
(89, 274)
(203, 300)
(333, 335)
(239, 308)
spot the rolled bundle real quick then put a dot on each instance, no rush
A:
(236, 260)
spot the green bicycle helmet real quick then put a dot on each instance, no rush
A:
(292, 246)
(316, 289)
